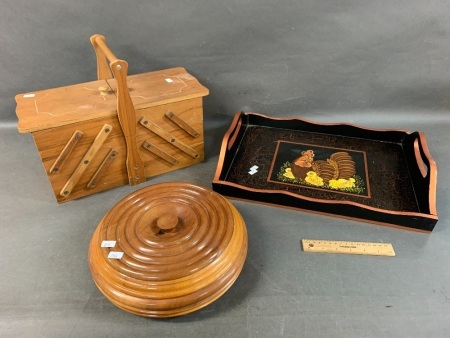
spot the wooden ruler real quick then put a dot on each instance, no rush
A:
(350, 248)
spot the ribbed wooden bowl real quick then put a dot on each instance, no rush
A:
(184, 246)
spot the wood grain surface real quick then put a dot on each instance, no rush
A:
(169, 100)
(183, 246)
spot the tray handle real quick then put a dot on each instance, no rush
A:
(426, 170)
(234, 129)
(228, 142)
(125, 109)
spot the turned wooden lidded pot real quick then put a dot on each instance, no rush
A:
(168, 249)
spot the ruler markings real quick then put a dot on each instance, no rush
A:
(345, 247)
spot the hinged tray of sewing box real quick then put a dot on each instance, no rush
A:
(378, 176)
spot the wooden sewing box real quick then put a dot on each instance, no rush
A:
(117, 130)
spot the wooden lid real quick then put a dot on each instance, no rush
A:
(178, 247)
(86, 101)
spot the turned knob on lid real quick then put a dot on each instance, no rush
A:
(167, 222)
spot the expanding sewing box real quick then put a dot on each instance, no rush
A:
(379, 176)
(117, 130)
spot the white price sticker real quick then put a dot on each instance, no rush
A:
(108, 244)
(115, 255)
(253, 170)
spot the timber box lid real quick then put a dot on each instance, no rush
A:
(86, 101)
(168, 249)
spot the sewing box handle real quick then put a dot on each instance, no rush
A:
(118, 69)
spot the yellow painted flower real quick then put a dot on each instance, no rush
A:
(342, 183)
(312, 178)
(288, 173)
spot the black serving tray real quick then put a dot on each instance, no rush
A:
(378, 176)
